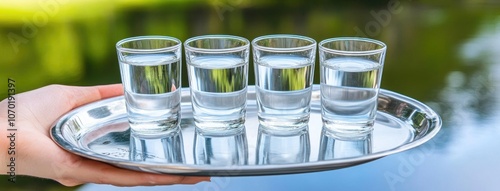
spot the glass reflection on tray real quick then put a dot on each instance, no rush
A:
(336, 146)
(164, 149)
(227, 150)
(282, 149)
(221, 150)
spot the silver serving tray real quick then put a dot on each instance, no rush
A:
(99, 131)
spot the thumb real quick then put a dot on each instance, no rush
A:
(48, 103)
(78, 96)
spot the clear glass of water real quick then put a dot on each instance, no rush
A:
(218, 75)
(350, 75)
(151, 75)
(284, 72)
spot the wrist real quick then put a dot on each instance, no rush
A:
(7, 145)
(3, 136)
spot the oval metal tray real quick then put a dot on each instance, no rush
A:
(100, 131)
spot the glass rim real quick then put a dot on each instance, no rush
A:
(356, 52)
(153, 50)
(220, 50)
(290, 36)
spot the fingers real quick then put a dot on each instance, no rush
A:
(185, 180)
(195, 179)
(96, 172)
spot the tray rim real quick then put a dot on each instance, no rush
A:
(235, 170)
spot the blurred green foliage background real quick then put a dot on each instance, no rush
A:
(73, 42)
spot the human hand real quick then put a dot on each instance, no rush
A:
(37, 155)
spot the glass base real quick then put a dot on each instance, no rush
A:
(348, 129)
(153, 129)
(219, 128)
(283, 124)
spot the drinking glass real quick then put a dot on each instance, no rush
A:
(218, 72)
(350, 75)
(284, 73)
(150, 69)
